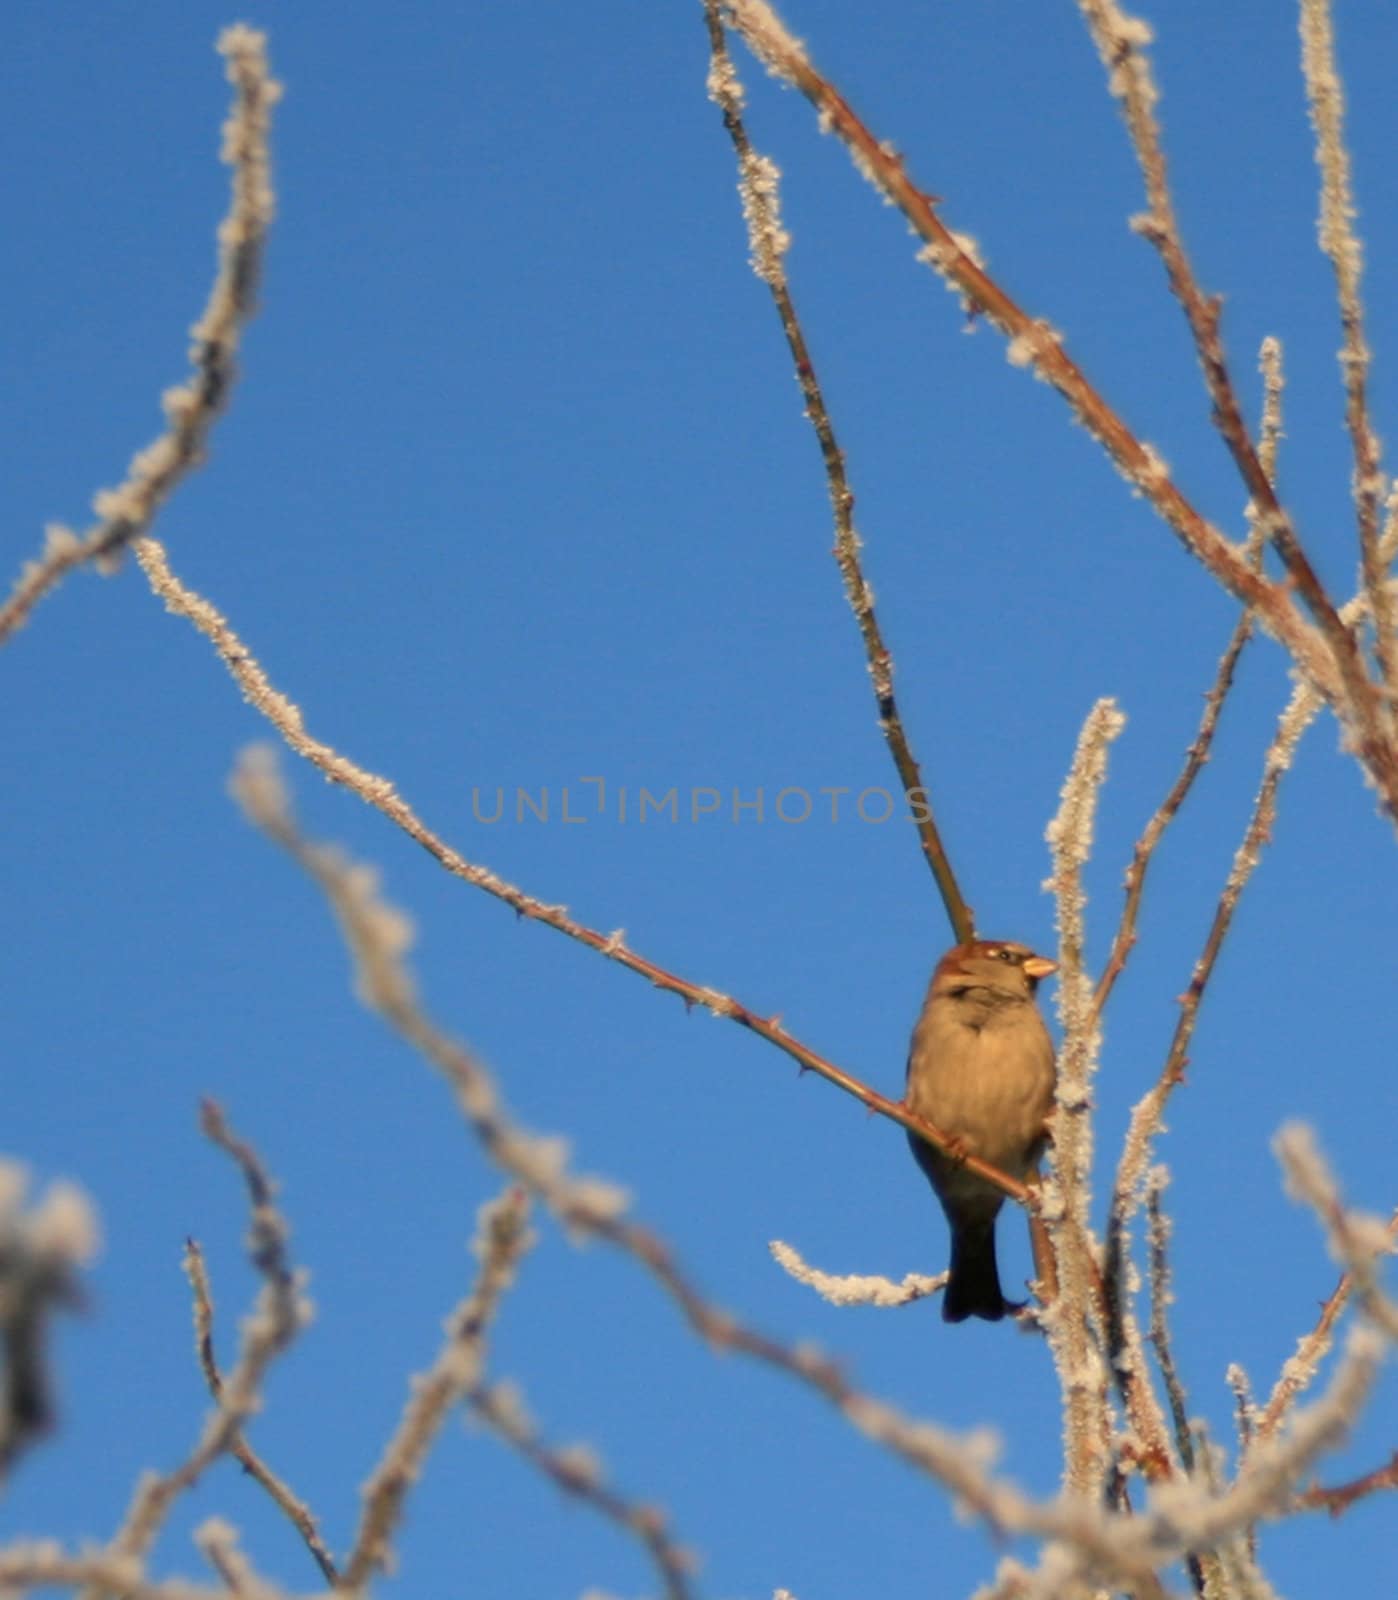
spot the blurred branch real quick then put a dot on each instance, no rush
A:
(1339, 1499)
(502, 1239)
(1146, 1115)
(577, 1472)
(1355, 1238)
(125, 513)
(44, 1565)
(1330, 657)
(218, 1540)
(757, 184)
(295, 1509)
(40, 1253)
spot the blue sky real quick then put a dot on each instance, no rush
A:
(515, 491)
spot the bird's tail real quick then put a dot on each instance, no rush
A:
(973, 1287)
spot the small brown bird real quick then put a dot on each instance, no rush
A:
(981, 1068)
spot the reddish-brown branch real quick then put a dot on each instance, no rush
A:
(1195, 758)
(1339, 1499)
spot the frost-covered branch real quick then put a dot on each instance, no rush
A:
(1074, 1321)
(1299, 1370)
(758, 179)
(502, 1239)
(280, 1312)
(45, 1564)
(292, 1506)
(126, 512)
(856, 1289)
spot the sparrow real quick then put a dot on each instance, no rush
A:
(981, 1068)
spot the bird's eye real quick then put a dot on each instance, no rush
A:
(1004, 955)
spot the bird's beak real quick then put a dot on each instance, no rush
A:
(1039, 967)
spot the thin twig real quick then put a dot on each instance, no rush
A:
(1199, 751)
(125, 513)
(1339, 1499)
(1270, 362)
(757, 183)
(577, 1471)
(1160, 1298)
(279, 1314)
(1147, 1114)
(1195, 758)
(297, 1512)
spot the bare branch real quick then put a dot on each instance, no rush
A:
(1161, 1297)
(1357, 1240)
(297, 1512)
(757, 183)
(219, 1542)
(577, 1471)
(278, 1315)
(127, 512)
(1339, 1499)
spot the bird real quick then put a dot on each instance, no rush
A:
(980, 1068)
